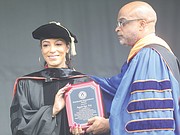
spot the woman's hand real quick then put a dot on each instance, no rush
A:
(59, 101)
(76, 129)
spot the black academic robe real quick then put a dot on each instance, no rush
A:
(31, 109)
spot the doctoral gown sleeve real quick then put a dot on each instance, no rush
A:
(28, 115)
(109, 86)
(146, 101)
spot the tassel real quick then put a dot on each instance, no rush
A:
(73, 48)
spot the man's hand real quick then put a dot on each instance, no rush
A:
(98, 125)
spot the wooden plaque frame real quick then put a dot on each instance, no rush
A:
(83, 101)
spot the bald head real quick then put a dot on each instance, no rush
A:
(135, 21)
(139, 9)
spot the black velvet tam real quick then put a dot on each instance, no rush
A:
(53, 30)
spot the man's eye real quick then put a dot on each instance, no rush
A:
(121, 23)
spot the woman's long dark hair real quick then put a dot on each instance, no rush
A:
(68, 60)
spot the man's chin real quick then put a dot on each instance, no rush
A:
(122, 43)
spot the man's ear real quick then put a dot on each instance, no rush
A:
(143, 24)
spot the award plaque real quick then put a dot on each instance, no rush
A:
(83, 101)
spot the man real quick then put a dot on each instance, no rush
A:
(145, 94)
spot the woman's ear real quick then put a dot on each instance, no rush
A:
(68, 48)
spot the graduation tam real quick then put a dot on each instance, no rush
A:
(55, 30)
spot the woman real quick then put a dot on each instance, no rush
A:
(38, 105)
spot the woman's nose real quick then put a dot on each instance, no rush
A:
(52, 48)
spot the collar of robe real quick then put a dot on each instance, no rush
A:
(147, 40)
(50, 74)
(55, 73)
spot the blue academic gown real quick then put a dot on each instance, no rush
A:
(143, 98)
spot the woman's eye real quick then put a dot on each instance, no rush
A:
(58, 44)
(44, 45)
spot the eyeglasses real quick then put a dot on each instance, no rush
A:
(122, 23)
